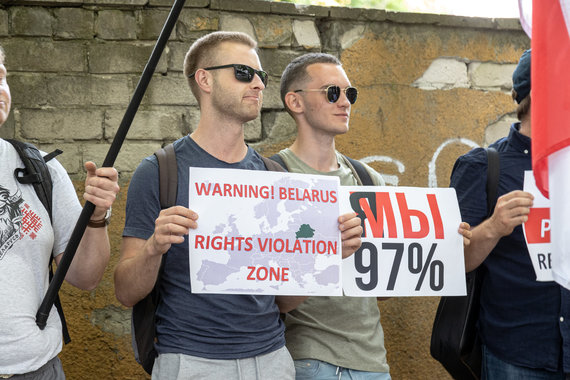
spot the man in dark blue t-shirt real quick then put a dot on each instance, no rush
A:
(522, 322)
(207, 336)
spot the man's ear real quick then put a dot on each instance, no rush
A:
(204, 80)
(294, 102)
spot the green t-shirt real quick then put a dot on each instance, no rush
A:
(343, 331)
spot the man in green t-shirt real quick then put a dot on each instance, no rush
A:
(328, 337)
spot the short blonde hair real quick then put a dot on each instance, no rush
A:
(202, 53)
(2, 55)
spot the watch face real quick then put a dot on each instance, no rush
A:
(108, 216)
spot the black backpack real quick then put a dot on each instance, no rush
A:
(143, 316)
(455, 340)
(36, 173)
(356, 166)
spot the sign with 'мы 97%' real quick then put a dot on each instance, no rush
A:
(410, 244)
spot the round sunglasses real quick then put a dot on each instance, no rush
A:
(243, 73)
(333, 93)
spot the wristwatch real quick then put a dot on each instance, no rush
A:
(101, 222)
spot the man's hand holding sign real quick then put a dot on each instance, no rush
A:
(536, 230)
(511, 210)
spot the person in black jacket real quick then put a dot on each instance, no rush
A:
(522, 322)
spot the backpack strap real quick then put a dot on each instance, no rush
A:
(59, 307)
(168, 176)
(492, 186)
(168, 189)
(277, 158)
(36, 173)
(274, 165)
(51, 155)
(359, 170)
(143, 315)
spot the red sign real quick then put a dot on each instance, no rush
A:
(537, 228)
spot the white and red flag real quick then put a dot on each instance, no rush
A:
(550, 121)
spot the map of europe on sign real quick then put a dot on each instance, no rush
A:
(263, 232)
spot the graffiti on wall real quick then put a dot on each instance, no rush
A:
(394, 180)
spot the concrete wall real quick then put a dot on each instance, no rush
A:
(431, 87)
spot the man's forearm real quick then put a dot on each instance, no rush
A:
(483, 239)
(136, 272)
(90, 260)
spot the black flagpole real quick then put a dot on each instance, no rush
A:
(69, 253)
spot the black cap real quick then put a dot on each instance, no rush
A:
(521, 77)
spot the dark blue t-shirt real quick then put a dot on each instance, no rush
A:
(522, 321)
(212, 326)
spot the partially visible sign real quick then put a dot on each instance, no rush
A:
(537, 230)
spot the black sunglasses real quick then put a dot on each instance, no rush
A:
(333, 93)
(243, 73)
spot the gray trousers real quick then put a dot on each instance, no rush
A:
(276, 365)
(52, 370)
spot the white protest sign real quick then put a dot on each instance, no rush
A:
(537, 230)
(411, 245)
(263, 232)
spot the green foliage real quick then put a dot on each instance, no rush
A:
(393, 5)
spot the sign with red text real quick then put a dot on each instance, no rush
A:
(264, 232)
(537, 230)
(411, 245)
